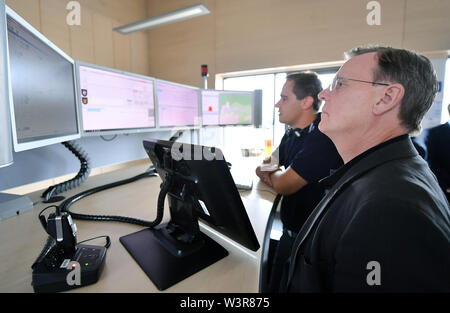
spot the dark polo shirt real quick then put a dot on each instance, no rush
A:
(311, 155)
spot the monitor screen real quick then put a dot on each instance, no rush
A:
(221, 107)
(43, 106)
(178, 105)
(199, 185)
(112, 101)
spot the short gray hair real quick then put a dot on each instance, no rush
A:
(414, 72)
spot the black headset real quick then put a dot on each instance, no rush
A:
(294, 131)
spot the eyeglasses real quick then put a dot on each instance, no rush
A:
(335, 85)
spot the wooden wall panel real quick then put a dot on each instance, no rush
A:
(54, 25)
(254, 34)
(123, 11)
(139, 60)
(122, 48)
(82, 38)
(103, 40)
(29, 10)
(177, 51)
(427, 26)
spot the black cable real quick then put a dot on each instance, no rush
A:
(176, 136)
(64, 207)
(42, 218)
(111, 139)
(107, 244)
(74, 182)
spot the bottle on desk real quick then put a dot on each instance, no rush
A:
(267, 148)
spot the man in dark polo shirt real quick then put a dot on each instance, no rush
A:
(307, 156)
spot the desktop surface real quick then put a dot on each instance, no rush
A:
(23, 238)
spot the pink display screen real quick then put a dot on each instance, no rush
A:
(114, 101)
(210, 107)
(177, 105)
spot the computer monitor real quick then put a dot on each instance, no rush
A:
(6, 156)
(178, 105)
(10, 204)
(222, 107)
(43, 99)
(199, 185)
(113, 101)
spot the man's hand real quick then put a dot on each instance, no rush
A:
(285, 182)
(264, 176)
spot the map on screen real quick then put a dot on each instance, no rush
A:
(235, 109)
(227, 107)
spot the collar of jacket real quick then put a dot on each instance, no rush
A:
(371, 158)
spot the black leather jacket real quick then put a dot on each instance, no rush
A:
(385, 207)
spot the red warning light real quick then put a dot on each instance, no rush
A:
(204, 70)
(210, 109)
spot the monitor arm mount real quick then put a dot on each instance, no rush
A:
(181, 234)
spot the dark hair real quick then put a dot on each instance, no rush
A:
(307, 84)
(414, 72)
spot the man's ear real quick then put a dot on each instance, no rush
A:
(307, 102)
(390, 99)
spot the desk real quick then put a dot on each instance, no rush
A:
(22, 239)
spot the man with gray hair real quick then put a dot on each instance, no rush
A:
(384, 224)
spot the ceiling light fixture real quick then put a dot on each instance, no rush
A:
(163, 19)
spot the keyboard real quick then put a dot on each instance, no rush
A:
(242, 180)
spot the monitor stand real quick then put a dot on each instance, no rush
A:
(167, 264)
(171, 252)
(11, 205)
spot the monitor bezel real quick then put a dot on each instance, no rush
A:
(199, 106)
(6, 146)
(23, 146)
(229, 91)
(122, 131)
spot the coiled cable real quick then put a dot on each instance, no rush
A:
(77, 180)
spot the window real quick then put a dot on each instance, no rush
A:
(446, 100)
(249, 83)
(271, 85)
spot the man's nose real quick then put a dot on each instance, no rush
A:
(324, 94)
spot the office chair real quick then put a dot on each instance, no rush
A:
(265, 266)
